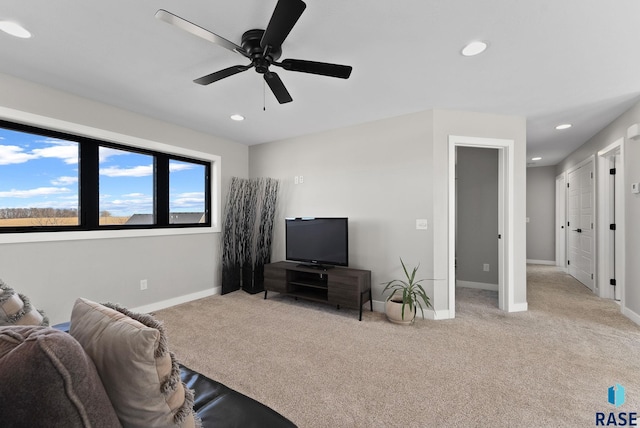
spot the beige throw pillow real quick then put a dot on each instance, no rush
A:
(140, 375)
(16, 309)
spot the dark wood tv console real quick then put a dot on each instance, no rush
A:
(343, 287)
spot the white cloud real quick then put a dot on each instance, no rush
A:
(124, 206)
(65, 150)
(179, 166)
(13, 154)
(40, 191)
(64, 181)
(191, 199)
(104, 153)
(133, 195)
(136, 171)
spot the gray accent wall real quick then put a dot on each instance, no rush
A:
(541, 211)
(477, 215)
(53, 274)
(616, 130)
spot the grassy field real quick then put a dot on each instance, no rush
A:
(56, 221)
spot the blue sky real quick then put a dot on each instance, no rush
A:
(42, 172)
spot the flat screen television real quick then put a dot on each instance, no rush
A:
(318, 241)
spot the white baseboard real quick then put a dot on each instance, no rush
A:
(444, 314)
(519, 307)
(631, 315)
(541, 262)
(378, 306)
(480, 285)
(176, 301)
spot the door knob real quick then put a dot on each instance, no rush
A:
(577, 230)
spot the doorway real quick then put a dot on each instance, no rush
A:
(477, 264)
(505, 220)
(611, 226)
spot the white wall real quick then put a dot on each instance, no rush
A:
(53, 274)
(616, 130)
(541, 211)
(384, 175)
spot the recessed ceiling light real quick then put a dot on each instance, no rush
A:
(237, 117)
(474, 48)
(536, 158)
(14, 29)
(563, 126)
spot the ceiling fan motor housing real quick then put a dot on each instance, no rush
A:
(251, 44)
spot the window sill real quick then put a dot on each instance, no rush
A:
(16, 238)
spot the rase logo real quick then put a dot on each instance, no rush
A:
(616, 397)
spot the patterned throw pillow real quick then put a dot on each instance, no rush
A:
(139, 373)
(16, 309)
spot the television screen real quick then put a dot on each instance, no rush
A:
(318, 241)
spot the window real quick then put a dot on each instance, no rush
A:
(38, 180)
(126, 187)
(53, 181)
(187, 190)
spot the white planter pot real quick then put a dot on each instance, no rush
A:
(394, 312)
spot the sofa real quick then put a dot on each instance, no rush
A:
(109, 367)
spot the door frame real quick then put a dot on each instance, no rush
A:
(506, 178)
(561, 221)
(608, 245)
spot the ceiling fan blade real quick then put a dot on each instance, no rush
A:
(196, 30)
(219, 75)
(277, 87)
(284, 17)
(313, 67)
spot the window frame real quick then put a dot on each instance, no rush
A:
(89, 140)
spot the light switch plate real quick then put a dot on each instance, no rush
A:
(422, 224)
(635, 187)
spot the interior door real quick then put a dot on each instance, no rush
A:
(561, 221)
(580, 225)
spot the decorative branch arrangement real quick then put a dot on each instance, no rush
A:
(247, 233)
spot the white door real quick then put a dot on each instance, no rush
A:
(580, 225)
(561, 221)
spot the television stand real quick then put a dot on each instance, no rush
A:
(317, 267)
(343, 287)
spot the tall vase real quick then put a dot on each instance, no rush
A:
(230, 278)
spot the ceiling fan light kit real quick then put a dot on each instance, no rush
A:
(263, 48)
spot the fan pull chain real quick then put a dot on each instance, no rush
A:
(264, 96)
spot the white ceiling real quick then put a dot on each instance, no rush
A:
(552, 61)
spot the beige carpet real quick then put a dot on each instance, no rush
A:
(320, 367)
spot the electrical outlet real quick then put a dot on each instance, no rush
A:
(143, 284)
(485, 267)
(301, 180)
(295, 180)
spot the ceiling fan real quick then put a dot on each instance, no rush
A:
(262, 48)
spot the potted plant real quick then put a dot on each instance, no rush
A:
(406, 296)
